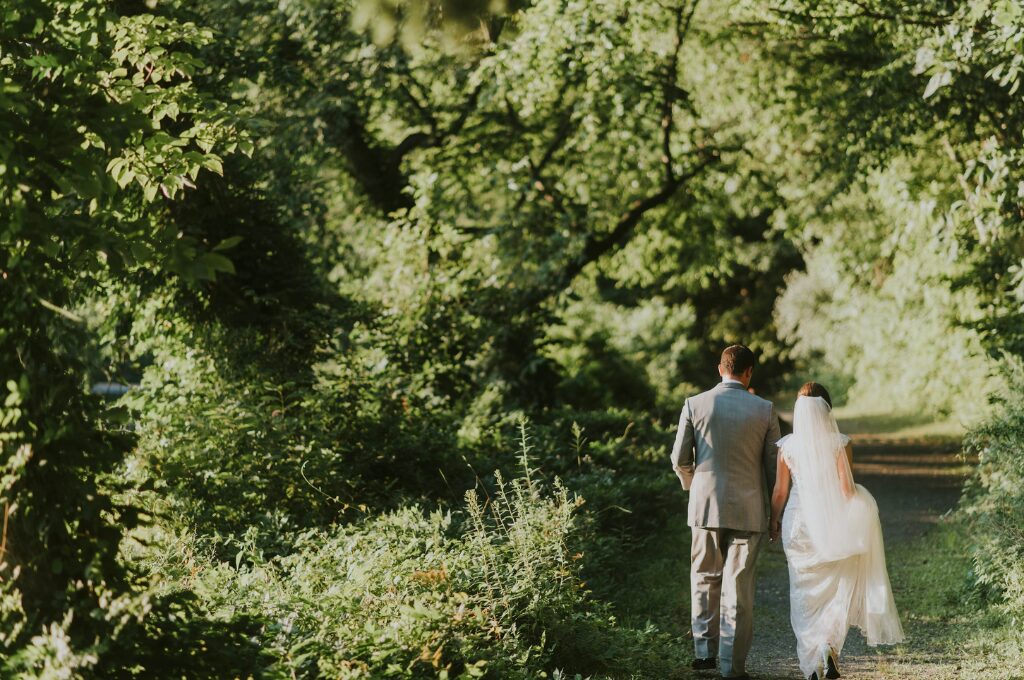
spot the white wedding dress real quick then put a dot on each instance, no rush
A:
(833, 543)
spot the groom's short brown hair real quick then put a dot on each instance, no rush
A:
(736, 359)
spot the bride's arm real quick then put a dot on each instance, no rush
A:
(779, 497)
(845, 465)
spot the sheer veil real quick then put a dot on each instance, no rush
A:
(838, 525)
(841, 526)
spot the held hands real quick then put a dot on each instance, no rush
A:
(774, 529)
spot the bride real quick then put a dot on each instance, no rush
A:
(832, 538)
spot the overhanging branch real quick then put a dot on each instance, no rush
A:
(597, 246)
(601, 244)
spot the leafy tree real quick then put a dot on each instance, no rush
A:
(104, 130)
(885, 81)
(461, 204)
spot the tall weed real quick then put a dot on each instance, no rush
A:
(492, 590)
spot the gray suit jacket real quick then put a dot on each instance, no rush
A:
(725, 456)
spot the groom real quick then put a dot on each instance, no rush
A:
(725, 456)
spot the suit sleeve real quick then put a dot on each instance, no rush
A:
(682, 450)
(771, 450)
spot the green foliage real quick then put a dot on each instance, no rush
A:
(978, 54)
(995, 504)
(471, 196)
(343, 247)
(932, 83)
(876, 302)
(493, 590)
(232, 445)
(102, 125)
(102, 116)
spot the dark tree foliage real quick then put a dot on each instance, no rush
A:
(341, 249)
(100, 120)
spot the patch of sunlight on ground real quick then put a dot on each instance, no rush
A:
(858, 420)
(853, 420)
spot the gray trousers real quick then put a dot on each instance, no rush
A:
(722, 595)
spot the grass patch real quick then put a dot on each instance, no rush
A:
(952, 632)
(897, 426)
(857, 420)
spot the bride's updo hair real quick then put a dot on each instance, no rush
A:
(813, 389)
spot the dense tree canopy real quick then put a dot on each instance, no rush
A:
(342, 252)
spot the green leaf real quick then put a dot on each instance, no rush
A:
(217, 263)
(213, 164)
(940, 79)
(228, 243)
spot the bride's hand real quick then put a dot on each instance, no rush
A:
(775, 530)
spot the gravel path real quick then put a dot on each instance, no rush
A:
(915, 483)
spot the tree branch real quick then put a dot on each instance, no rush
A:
(671, 90)
(425, 113)
(537, 180)
(378, 168)
(597, 247)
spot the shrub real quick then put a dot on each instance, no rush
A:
(492, 590)
(229, 439)
(994, 503)
(417, 594)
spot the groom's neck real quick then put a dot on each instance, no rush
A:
(735, 378)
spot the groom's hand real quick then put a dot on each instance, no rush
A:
(775, 530)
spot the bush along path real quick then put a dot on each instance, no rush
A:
(917, 483)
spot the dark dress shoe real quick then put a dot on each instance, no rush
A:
(831, 668)
(708, 664)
